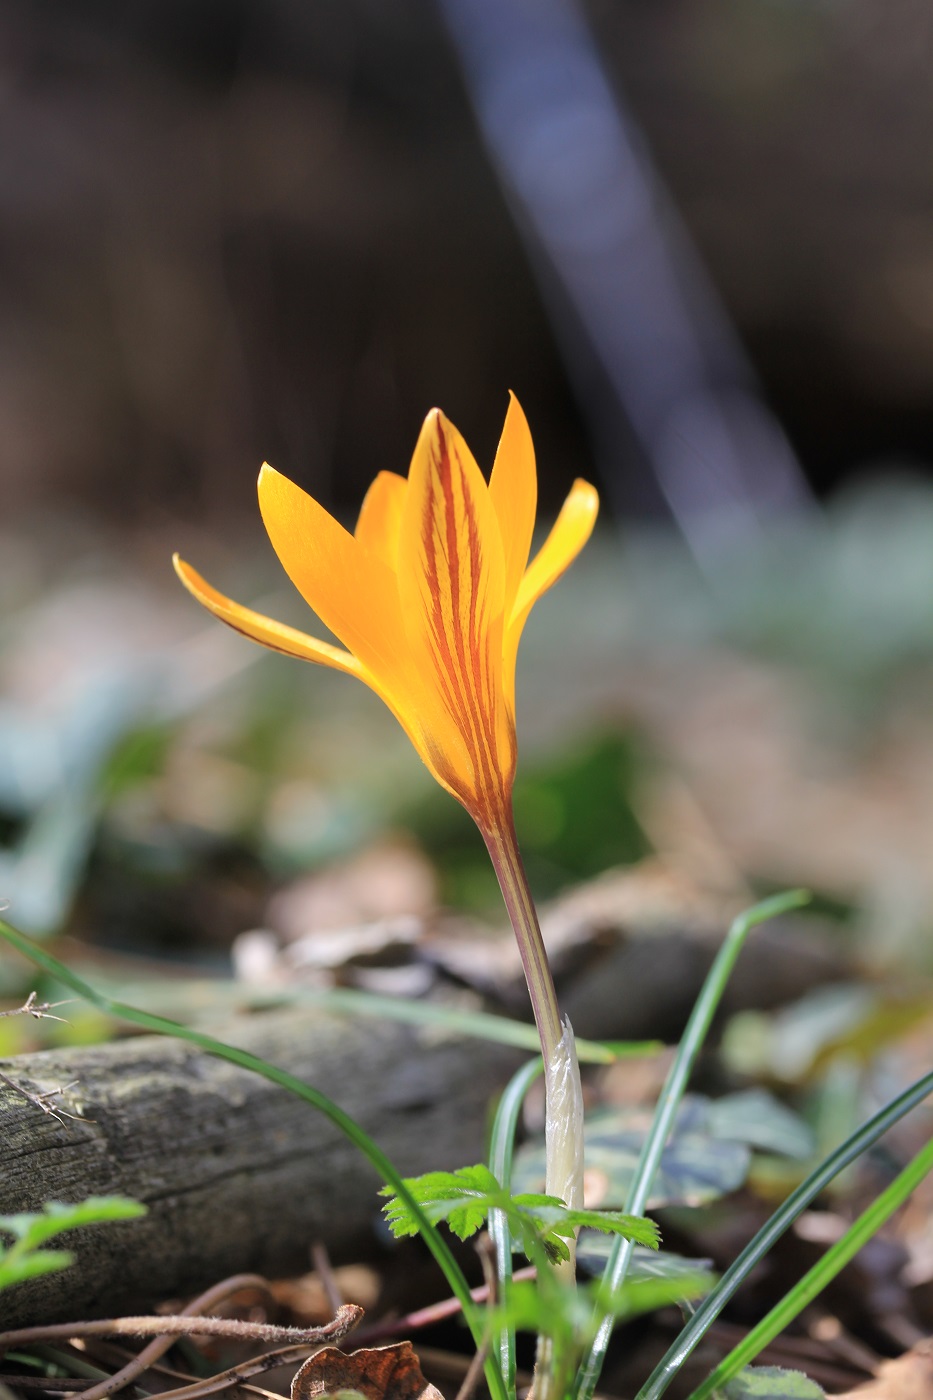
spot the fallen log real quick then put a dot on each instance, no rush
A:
(237, 1173)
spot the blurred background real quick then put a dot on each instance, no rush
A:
(275, 229)
(693, 236)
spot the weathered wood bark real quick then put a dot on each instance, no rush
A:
(236, 1173)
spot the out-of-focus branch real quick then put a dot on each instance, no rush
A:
(646, 339)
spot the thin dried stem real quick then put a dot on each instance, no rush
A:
(42, 1011)
(487, 1254)
(44, 1101)
(427, 1317)
(160, 1345)
(185, 1326)
(321, 1261)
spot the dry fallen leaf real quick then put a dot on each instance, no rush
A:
(377, 1373)
(908, 1377)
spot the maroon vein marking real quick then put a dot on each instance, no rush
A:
(461, 660)
(270, 646)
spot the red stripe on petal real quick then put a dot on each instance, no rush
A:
(458, 608)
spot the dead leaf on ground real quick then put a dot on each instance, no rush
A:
(908, 1377)
(376, 1373)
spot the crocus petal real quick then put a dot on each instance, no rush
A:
(380, 522)
(277, 637)
(569, 534)
(429, 596)
(353, 592)
(264, 629)
(513, 489)
(451, 587)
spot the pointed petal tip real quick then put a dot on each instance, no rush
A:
(198, 587)
(586, 492)
(436, 429)
(183, 570)
(586, 497)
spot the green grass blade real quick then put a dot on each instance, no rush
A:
(197, 994)
(374, 1154)
(666, 1111)
(822, 1273)
(772, 1230)
(501, 1149)
(480, 1024)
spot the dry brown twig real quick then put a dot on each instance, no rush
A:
(43, 1011)
(160, 1345)
(321, 1261)
(184, 1325)
(486, 1251)
(292, 1340)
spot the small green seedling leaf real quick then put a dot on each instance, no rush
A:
(568, 1313)
(772, 1383)
(609, 1222)
(460, 1198)
(464, 1198)
(30, 1230)
(43, 1261)
(555, 1223)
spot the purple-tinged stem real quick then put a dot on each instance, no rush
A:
(564, 1096)
(502, 844)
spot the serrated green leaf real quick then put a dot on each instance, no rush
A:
(460, 1198)
(464, 1198)
(532, 1200)
(772, 1383)
(616, 1222)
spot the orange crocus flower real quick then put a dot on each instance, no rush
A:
(428, 596)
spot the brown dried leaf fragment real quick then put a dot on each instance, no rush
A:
(376, 1373)
(907, 1377)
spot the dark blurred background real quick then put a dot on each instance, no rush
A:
(694, 236)
(242, 229)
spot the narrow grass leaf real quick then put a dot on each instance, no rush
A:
(501, 1153)
(822, 1273)
(668, 1104)
(859, 1142)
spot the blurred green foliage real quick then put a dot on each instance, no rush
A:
(26, 1258)
(152, 798)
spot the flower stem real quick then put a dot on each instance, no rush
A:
(502, 844)
(563, 1115)
(564, 1096)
